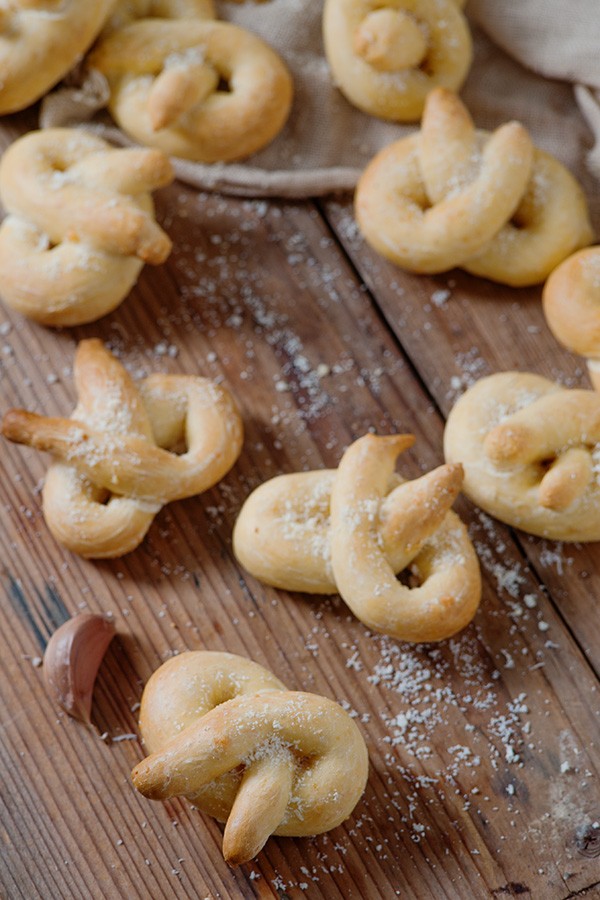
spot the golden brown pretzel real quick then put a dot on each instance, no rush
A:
(572, 306)
(114, 469)
(456, 196)
(40, 41)
(352, 529)
(166, 87)
(386, 56)
(80, 224)
(530, 450)
(225, 733)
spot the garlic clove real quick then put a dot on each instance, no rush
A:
(72, 659)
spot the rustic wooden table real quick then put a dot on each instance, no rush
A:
(484, 749)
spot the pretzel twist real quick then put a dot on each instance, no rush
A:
(115, 468)
(166, 80)
(455, 196)
(80, 224)
(352, 529)
(225, 733)
(572, 307)
(386, 57)
(530, 450)
(40, 41)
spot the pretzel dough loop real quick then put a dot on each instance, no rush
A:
(454, 196)
(115, 466)
(128, 11)
(225, 733)
(352, 529)
(386, 57)
(165, 80)
(80, 224)
(530, 450)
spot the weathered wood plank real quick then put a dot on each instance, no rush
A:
(480, 747)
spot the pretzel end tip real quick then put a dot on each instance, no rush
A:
(156, 250)
(505, 443)
(457, 470)
(235, 856)
(159, 117)
(445, 111)
(162, 167)
(515, 139)
(453, 474)
(144, 780)
(242, 840)
(399, 441)
(443, 99)
(17, 425)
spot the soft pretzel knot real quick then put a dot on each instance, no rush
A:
(386, 56)
(572, 306)
(201, 90)
(40, 41)
(456, 196)
(531, 454)
(116, 460)
(80, 224)
(352, 529)
(225, 733)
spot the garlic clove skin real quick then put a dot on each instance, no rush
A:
(72, 659)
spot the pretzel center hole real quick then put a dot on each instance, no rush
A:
(408, 578)
(518, 221)
(223, 85)
(424, 204)
(223, 695)
(545, 465)
(102, 496)
(180, 448)
(426, 67)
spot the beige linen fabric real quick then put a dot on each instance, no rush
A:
(556, 38)
(326, 142)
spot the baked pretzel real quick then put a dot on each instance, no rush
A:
(116, 464)
(225, 733)
(80, 224)
(386, 56)
(40, 41)
(201, 90)
(352, 529)
(572, 307)
(455, 196)
(530, 450)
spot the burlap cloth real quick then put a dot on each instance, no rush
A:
(326, 142)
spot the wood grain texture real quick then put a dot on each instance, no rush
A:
(484, 748)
